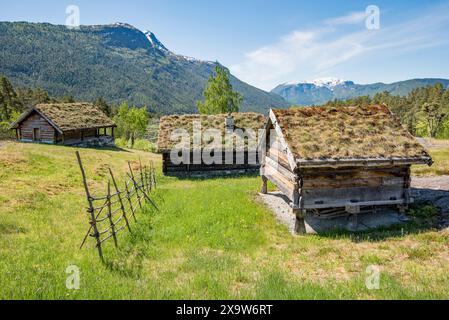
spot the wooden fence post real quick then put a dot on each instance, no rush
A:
(128, 196)
(148, 198)
(147, 179)
(111, 221)
(122, 207)
(91, 210)
(153, 172)
(150, 181)
(135, 184)
(141, 174)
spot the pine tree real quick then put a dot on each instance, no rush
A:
(434, 116)
(8, 100)
(219, 95)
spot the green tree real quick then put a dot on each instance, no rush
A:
(30, 97)
(131, 122)
(434, 117)
(8, 100)
(219, 95)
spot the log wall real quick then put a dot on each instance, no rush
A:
(170, 168)
(334, 187)
(316, 188)
(35, 121)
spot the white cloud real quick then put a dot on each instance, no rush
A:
(351, 18)
(306, 54)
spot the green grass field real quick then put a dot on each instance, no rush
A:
(212, 239)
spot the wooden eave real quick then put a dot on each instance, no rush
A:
(287, 150)
(368, 162)
(28, 113)
(56, 127)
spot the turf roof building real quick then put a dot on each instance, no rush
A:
(206, 153)
(349, 158)
(65, 123)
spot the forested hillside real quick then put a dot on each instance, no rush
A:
(117, 62)
(425, 110)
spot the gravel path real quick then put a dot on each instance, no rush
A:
(435, 183)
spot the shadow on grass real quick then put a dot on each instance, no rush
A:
(133, 248)
(104, 148)
(9, 229)
(423, 216)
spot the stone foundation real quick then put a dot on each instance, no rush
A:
(104, 141)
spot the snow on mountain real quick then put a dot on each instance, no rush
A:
(328, 82)
(155, 43)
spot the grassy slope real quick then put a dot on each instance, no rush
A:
(440, 167)
(212, 239)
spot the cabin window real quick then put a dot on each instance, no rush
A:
(36, 134)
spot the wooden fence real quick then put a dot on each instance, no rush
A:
(111, 213)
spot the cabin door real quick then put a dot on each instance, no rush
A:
(36, 134)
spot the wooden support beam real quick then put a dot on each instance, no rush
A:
(264, 185)
(300, 224)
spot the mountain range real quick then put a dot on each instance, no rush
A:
(320, 91)
(117, 62)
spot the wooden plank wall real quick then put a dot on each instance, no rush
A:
(276, 168)
(335, 187)
(329, 187)
(47, 132)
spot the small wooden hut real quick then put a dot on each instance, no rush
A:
(65, 123)
(231, 160)
(347, 158)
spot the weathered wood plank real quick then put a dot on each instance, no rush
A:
(272, 165)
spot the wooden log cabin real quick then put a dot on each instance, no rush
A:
(346, 158)
(231, 160)
(65, 123)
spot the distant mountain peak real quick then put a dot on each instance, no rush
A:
(124, 25)
(321, 91)
(328, 82)
(115, 61)
(155, 41)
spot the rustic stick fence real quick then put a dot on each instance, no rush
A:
(110, 214)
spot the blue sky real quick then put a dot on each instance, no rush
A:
(268, 42)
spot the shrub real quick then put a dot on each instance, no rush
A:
(5, 131)
(139, 144)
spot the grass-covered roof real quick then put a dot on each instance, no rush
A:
(325, 133)
(71, 116)
(169, 124)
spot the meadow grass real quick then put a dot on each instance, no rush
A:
(440, 167)
(212, 239)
